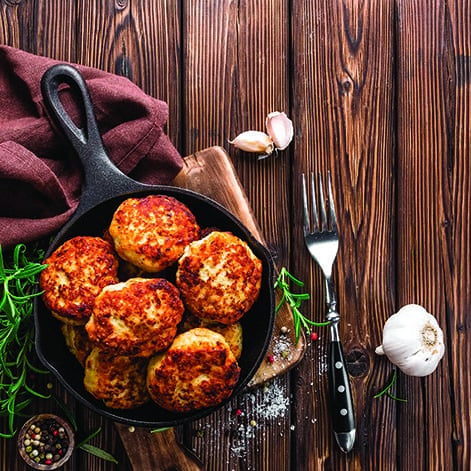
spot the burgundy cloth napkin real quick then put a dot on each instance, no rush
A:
(40, 176)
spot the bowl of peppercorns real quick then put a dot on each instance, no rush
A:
(46, 442)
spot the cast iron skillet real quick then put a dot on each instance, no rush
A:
(104, 188)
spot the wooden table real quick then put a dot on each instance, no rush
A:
(379, 93)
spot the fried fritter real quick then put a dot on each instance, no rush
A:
(233, 333)
(219, 277)
(198, 370)
(76, 272)
(77, 341)
(120, 381)
(138, 317)
(152, 232)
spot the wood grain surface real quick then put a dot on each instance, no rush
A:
(380, 94)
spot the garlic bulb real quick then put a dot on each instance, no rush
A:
(254, 141)
(280, 129)
(413, 341)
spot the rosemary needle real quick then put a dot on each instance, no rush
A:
(18, 282)
(294, 300)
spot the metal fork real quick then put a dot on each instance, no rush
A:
(322, 241)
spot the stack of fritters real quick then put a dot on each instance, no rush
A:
(123, 331)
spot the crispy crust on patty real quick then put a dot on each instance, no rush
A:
(219, 277)
(120, 381)
(76, 273)
(138, 317)
(152, 232)
(198, 370)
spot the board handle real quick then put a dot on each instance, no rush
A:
(156, 451)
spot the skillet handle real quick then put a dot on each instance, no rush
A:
(102, 179)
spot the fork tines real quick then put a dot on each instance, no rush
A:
(322, 224)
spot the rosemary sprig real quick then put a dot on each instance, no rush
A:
(94, 450)
(18, 281)
(387, 390)
(294, 300)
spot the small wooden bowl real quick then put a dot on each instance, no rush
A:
(38, 419)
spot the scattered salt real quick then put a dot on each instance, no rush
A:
(282, 348)
(274, 402)
(270, 405)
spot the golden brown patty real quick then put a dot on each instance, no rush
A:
(152, 232)
(120, 381)
(77, 341)
(76, 272)
(198, 370)
(137, 317)
(219, 277)
(233, 333)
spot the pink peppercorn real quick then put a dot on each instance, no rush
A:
(238, 412)
(314, 336)
(270, 358)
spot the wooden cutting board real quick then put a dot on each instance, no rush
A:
(211, 172)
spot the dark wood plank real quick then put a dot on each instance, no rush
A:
(342, 87)
(430, 116)
(53, 29)
(156, 57)
(457, 230)
(235, 73)
(14, 27)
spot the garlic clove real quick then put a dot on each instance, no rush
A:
(413, 341)
(280, 129)
(254, 141)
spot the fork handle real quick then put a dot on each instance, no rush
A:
(343, 419)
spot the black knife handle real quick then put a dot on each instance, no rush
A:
(341, 404)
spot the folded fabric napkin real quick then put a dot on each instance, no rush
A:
(40, 176)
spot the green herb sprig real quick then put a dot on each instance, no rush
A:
(294, 300)
(94, 450)
(18, 282)
(387, 390)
